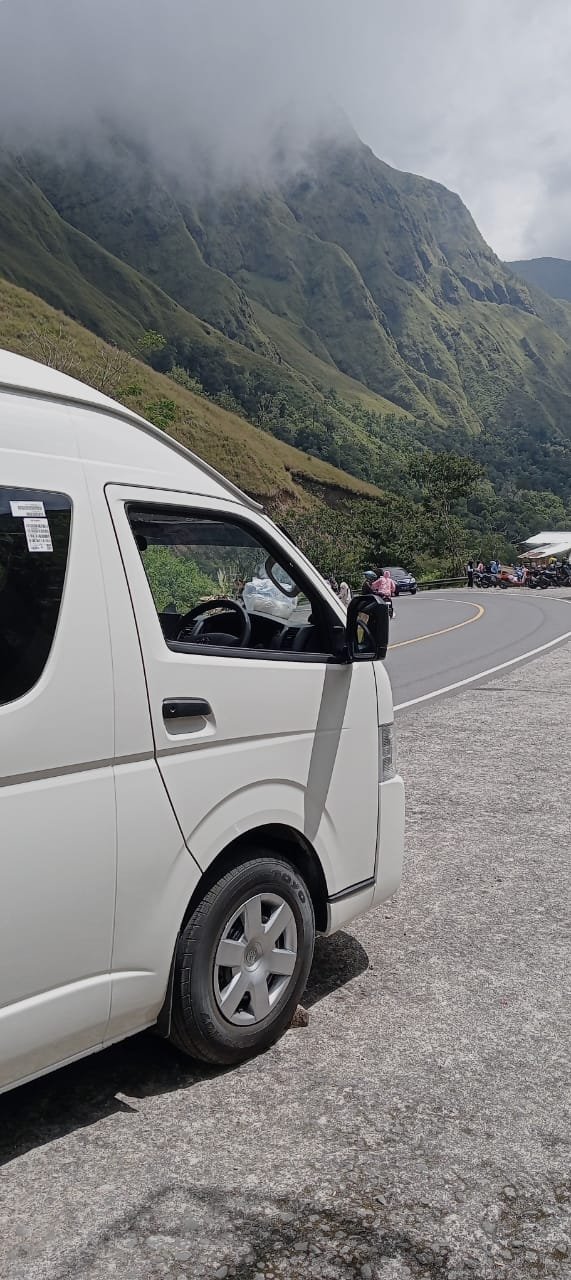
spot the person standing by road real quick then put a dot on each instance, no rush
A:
(470, 573)
(345, 594)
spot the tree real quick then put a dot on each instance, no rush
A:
(360, 534)
(444, 480)
(151, 341)
(331, 539)
(395, 531)
(176, 580)
(55, 347)
(103, 366)
(162, 412)
(155, 349)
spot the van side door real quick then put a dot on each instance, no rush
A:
(57, 800)
(255, 723)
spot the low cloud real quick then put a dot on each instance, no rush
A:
(239, 81)
(474, 95)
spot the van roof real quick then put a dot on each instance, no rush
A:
(27, 377)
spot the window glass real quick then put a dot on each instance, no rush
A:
(34, 544)
(193, 561)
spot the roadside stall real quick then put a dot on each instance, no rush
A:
(547, 558)
(543, 547)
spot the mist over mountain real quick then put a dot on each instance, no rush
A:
(232, 91)
(165, 172)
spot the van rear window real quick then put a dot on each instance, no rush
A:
(34, 545)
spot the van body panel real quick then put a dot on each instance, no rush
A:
(343, 911)
(52, 1027)
(34, 429)
(155, 881)
(142, 454)
(147, 464)
(41, 385)
(57, 798)
(156, 876)
(391, 839)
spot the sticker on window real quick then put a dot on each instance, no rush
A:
(38, 536)
(31, 509)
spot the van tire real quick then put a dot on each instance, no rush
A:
(199, 1027)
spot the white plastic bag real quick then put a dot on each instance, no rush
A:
(261, 596)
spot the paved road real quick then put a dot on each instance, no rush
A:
(418, 1128)
(440, 638)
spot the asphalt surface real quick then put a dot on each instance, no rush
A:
(442, 637)
(419, 1126)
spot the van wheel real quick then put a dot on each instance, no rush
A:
(242, 962)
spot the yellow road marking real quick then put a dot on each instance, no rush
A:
(480, 611)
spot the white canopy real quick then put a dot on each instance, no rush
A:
(544, 539)
(544, 545)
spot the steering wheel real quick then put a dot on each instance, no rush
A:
(192, 624)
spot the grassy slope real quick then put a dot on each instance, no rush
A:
(311, 282)
(466, 328)
(40, 250)
(253, 245)
(271, 471)
(130, 213)
(301, 349)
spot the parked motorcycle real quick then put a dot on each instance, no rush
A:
(486, 579)
(542, 579)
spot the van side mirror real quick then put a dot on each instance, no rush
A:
(367, 629)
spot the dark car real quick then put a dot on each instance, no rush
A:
(404, 581)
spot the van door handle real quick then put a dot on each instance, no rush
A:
(185, 708)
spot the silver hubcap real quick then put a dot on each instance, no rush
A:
(255, 959)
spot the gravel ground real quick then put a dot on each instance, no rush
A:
(418, 1127)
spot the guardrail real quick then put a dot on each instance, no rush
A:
(433, 584)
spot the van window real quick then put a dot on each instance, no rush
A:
(34, 544)
(215, 583)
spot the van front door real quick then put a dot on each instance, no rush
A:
(57, 800)
(253, 723)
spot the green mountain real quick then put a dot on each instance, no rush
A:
(553, 275)
(348, 309)
(349, 267)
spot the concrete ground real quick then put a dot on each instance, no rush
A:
(418, 1127)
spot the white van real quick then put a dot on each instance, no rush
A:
(188, 789)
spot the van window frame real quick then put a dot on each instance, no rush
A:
(331, 624)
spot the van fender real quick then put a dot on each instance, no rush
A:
(265, 804)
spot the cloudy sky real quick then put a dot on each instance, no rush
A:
(473, 93)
